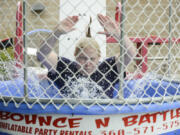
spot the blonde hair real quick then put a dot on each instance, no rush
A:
(88, 41)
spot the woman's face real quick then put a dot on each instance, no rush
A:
(88, 58)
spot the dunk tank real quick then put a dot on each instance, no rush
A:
(144, 102)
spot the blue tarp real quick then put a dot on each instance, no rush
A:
(132, 89)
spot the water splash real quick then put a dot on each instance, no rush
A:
(83, 88)
(138, 89)
(33, 82)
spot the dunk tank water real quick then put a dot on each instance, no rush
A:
(42, 115)
(151, 109)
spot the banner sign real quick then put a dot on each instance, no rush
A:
(115, 124)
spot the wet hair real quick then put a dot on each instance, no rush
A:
(88, 41)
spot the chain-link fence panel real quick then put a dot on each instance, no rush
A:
(87, 53)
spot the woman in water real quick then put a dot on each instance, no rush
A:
(94, 79)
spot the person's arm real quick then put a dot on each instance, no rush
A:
(112, 28)
(45, 54)
(131, 51)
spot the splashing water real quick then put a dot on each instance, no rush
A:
(139, 88)
(32, 81)
(12, 81)
(83, 88)
(80, 88)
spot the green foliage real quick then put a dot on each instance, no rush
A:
(5, 56)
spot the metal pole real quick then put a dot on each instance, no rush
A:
(170, 36)
(122, 51)
(130, 101)
(25, 51)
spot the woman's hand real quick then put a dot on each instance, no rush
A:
(67, 24)
(111, 28)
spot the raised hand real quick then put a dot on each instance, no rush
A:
(67, 24)
(111, 28)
